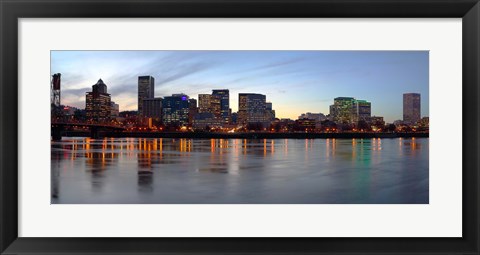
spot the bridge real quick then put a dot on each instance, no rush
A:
(58, 128)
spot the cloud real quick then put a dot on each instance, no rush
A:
(124, 84)
(267, 72)
(272, 65)
(80, 91)
(179, 71)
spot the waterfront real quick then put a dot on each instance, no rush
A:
(232, 171)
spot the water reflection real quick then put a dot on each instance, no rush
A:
(145, 180)
(143, 170)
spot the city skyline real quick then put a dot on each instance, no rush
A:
(295, 82)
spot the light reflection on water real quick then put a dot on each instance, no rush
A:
(264, 171)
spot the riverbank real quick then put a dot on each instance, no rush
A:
(256, 135)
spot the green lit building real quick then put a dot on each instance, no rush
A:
(348, 110)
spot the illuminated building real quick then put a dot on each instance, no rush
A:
(152, 108)
(284, 125)
(221, 104)
(424, 122)
(97, 103)
(215, 106)
(146, 89)
(363, 110)
(217, 103)
(192, 110)
(114, 109)
(175, 110)
(343, 110)
(206, 120)
(348, 110)
(411, 108)
(305, 125)
(204, 103)
(377, 121)
(252, 109)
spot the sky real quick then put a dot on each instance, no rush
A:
(295, 82)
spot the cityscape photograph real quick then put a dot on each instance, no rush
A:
(239, 127)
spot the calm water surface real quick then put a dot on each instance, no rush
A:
(232, 171)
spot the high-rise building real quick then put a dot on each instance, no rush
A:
(343, 110)
(192, 110)
(97, 102)
(218, 103)
(204, 103)
(348, 110)
(252, 109)
(152, 108)
(411, 108)
(215, 106)
(115, 109)
(175, 110)
(363, 110)
(242, 108)
(146, 89)
(221, 104)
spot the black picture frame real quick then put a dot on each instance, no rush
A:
(11, 11)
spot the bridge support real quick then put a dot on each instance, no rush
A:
(57, 133)
(95, 133)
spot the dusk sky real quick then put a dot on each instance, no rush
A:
(294, 81)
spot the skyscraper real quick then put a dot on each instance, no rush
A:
(221, 104)
(192, 110)
(348, 110)
(152, 108)
(114, 109)
(242, 109)
(252, 108)
(363, 110)
(97, 102)
(146, 89)
(175, 110)
(204, 103)
(411, 108)
(343, 110)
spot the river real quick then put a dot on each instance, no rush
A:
(239, 171)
